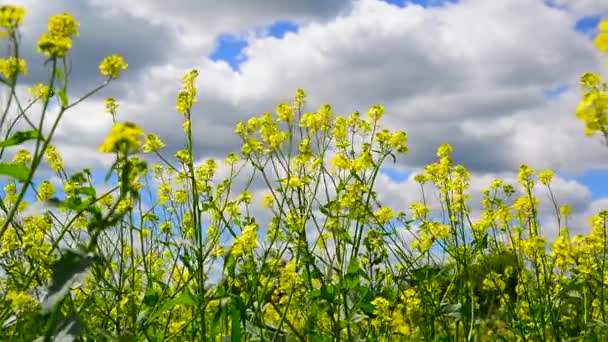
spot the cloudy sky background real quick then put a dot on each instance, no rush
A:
(496, 79)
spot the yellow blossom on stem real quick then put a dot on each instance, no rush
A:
(58, 40)
(123, 138)
(12, 66)
(375, 112)
(11, 17)
(112, 65)
(384, 214)
(153, 143)
(601, 40)
(41, 91)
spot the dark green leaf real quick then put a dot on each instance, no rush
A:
(150, 297)
(68, 270)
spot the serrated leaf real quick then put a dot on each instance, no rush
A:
(68, 270)
(20, 137)
(16, 171)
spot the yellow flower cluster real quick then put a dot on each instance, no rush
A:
(601, 40)
(12, 66)
(58, 40)
(123, 138)
(153, 143)
(112, 65)
(187, 97)
(11, 17)
(41, 91)
(20, 301)
(246, 242)
(592, 108)
(54, 158)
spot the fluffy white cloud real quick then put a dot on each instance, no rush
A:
(471, 74)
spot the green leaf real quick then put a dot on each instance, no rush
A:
(186, 299)
(20, 137)
(151, 296)
(69, 330)
(353, 267)
(236, 306)
(68, 270)
(17, 171)
(64, 98)
(59, 73)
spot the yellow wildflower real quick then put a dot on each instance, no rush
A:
(384, 214)
(57, 41)
(46, 190)
(123, 138)
(111, 66)
(153, 143)
(41, 91)
(11, 17)
(375, 112)
(12, 66)
(20, 301)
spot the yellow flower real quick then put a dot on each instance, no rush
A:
(546, 176)
(11, 17)
(54, 158)
(566, 210)
(20, 301)
(46, 190)
(524, 176)
(22, 157)
(144, 233)
(63, 25)
(294, 182)
(384, 214)
(218, 252)
(12, 66)
(57, 41)
(601, 41)
(267, 201)
(246, 242)
(376, 112)
(285, 112)
(245, 197)
(300, 98)
(187, 96)
(184, 102)
(444, 150)
(123, 138)
(183, 156)
(41, 91)
(111, 66)
(153, 143)
(340, 161)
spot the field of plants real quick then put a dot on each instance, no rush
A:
(169, 250)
